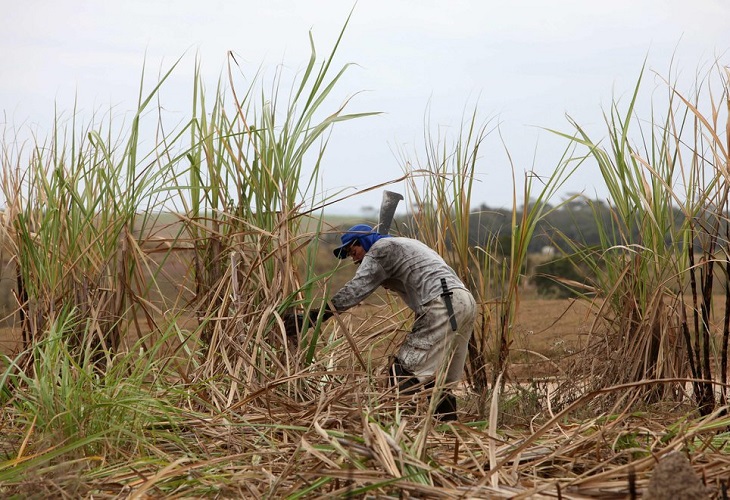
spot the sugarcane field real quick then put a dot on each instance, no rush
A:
(183, 314)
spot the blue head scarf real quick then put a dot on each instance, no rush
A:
(361, 233)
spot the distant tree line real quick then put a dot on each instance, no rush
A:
(577, 221)
(573, 221)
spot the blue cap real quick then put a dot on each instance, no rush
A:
(352, 235)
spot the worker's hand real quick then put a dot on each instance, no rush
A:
(294, 323)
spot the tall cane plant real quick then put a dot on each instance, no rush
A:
(439, 191)
(443, 218)
(656, 264)
(253, 173)
(72, 220)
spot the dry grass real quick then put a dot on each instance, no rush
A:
(346, 437)
(344, 434)
(349, 436)
(346, 441)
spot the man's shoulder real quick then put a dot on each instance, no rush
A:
(394, 241)
(408, 244)
(399, 239)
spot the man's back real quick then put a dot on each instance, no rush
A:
(404, 265)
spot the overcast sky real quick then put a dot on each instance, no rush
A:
(525, 64)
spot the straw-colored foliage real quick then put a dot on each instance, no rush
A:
(661, 268)
(151, 285)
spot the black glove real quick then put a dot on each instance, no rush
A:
(294, 323)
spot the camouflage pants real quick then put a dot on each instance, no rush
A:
(432, 345)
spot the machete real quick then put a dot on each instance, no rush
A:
(387, 210)
(446, 294)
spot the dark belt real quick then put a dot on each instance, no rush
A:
(447, 300)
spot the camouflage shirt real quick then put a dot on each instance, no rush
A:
(404, 265)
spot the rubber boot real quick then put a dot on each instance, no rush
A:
(405, 379)
(408, 384)
(446, 408)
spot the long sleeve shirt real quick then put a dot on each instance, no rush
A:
(404, 265)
